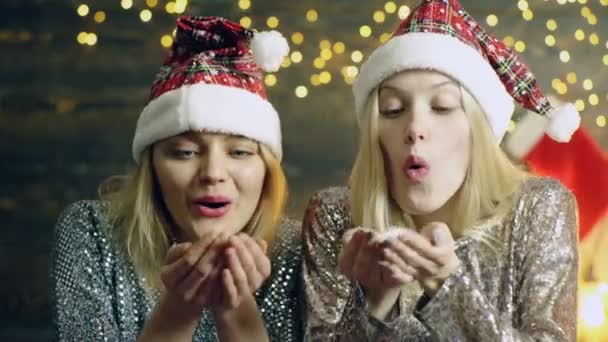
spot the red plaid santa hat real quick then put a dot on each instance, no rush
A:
(440, 35)
(212, 81)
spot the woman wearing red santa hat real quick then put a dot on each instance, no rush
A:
(439, 235)
(178, 252)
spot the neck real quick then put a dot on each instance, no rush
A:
(443, 214)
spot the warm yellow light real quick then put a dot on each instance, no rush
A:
(356, 56)
(272, 22)
(585, 11)
(170, 7)
(286, 62)
(296, 57)
(527, 15)
(594, 100)
(600, 121)
(579, 34)
(99, 17)
(315, 80)
(592, 19)
(145, 15)
(326, 54)
(562, 89)
(555, 83)
(351, 71)
(312, 15)
(587, 84)
(325, 77)
(151, 3)
(82, 37)
(550, 40)
(244, 4)
(594, 39)
(91, 39)
(180, 6)
(83, 10)
(245, 22)
(564, 56)
(301, 91)
(551, 25)
(126, 4)
(379, 17)
(404, 11)
(166, 41)
(270, 80)
(385, 37)
(605, 60)
(571, 77)
(324, 44)
(492, 20)
(562, 2)
(580, 105)
(365, 31)
(319, 63)
(509, 41)
(297, 38)
(520, 46)
(522, 5)
(390, 7)
(339, 48)
(582, 2)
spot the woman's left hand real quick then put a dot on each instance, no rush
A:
(244, 269)
(428, 256)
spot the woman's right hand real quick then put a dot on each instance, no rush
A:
(361, 260)
(190, 271)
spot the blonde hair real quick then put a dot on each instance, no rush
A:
(489, 185)
(141, 224)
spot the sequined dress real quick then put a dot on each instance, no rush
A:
(98, 297)
(522, 288)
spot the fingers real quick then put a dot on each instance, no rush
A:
(411, 257)
(239, 276)
(176, 251)
(258, 254)
(438, 233)
(351, 240)
(176, 267)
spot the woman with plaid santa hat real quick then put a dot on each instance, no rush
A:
(179, 250)
(440, 236)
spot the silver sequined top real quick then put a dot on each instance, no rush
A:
(98, 297)
(522, 289)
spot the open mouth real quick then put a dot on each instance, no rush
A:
(415, 169)
(212, 206)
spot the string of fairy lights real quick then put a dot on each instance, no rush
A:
(335, 58)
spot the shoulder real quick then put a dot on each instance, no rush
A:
(81, 226)
(81, 217)
(543, 193)
(545, 207)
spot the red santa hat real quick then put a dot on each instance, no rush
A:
(440, 35)
(212, 81)
(580, 165)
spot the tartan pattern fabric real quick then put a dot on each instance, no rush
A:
(449, 18)
(209, 50)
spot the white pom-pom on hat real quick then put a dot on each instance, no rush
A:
(269, 48)
(563, 122)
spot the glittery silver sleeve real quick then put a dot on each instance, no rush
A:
(82, 311)
(518, 283)
(97, 295)
(538, 282)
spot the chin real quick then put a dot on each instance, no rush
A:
(421, 206)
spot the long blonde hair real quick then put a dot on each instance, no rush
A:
(487, 190)
(141, 225)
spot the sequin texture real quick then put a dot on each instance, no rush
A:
(523, 287)
(98, 297)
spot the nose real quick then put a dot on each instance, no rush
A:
(213, 168)
(417, 127)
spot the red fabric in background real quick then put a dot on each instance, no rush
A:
(582, 167)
